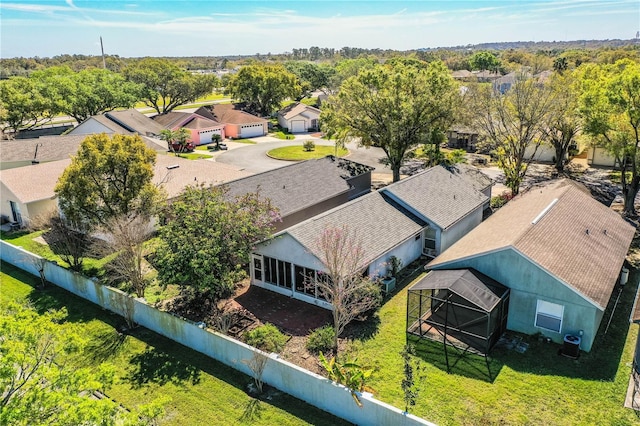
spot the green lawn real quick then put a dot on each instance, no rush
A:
(200, 155)
(537, 387)
(202, 391)
(91, 267)
(297, 152)
(283, 135)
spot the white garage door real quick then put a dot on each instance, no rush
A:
(297, 127)
(251, 131)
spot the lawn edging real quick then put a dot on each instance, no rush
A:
(285, 376)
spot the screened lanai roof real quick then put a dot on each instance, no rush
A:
(469, 284)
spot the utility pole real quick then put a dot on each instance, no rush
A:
(104, 63)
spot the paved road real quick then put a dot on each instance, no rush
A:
(254, 159)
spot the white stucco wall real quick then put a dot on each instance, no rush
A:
(407, 252)
(600, 157)
(545, 153)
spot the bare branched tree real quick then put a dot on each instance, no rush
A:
(67, 240)
(126, 236)
(343, 283)
(256, 364)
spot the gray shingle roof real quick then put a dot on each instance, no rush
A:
(438, 195)
(134, 121)
(558, 241)
(474, 176)
(375, 222)
(297, 186)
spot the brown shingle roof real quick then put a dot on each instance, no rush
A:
(230, 114)
(171, 119)
(37, 182)
(295, 109)
(561, 228)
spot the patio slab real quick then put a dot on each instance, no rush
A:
(290, 315)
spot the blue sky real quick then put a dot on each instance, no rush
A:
(187, 28)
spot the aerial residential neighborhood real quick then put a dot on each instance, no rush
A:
(435, 226)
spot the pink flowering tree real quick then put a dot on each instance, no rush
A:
(343, 283)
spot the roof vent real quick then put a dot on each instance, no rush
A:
(587, 231)
(173, 166)
(543, 212)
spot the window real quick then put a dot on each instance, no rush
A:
(549, 316)
(257, 268)
(430, 238)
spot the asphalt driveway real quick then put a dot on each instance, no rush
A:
(254, 159)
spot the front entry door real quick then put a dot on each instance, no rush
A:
(15, 212)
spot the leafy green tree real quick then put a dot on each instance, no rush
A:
(165, 85)
(484, 61)
(563, 123)
(610, 106)
(23, 105)
(560, 64)
(88, 92)
(208, 237)
(395, 108)
(41, 381)
(109, 177)
(311, 76)
(512, 123)
(263, 87)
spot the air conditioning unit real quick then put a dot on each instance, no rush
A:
(388, 284)
(571, 346)
(430, 252)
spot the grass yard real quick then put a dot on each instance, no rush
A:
(91, 267)
(201, 391)
(283, 135)
(297, 152)
(536, 387)
(200, 155)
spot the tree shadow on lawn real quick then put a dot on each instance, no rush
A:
(600, 364)
(156, 366)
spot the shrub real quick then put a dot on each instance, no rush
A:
(500, 200)
(308, 146)
(321, 339)
(267, 338)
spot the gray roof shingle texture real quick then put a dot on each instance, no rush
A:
(578, 240)
(376, 223)
(135, 121)
(297, 186)
(295, 109)
(438, 195)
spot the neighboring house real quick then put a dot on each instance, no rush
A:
(445, 200)
(237, 123)
(26, 192)
(127, 122)
(23, 152)
(476, 178)
(462, 138)
(299, 118)
(503, 84)
(305, 189)
(406, 219)
(598, 156)
(201, 128)
(464, 75)
(544, 154)
(559, 252)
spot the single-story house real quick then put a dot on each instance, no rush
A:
(544, 153)
(26, 192)
(126, 122)
(462, 138)
(445, 200)
(237, 123)
(305, 189)
(476, 178)
(598, 156)
(23, 152)
(417, 215)
(559, 252)
(299, 118)
(201, 128)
